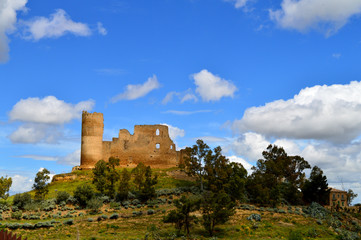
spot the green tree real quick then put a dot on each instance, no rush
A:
(5, 184)
(83, 193)
(315, 188)
(276, 177)
(194, 160)
(21, 199)
(99, 176)
(220, 174)
(105, 176)
(41, 184)
(217, 208)
(181, 216)
(147, 190)
(139, 175)
(124, 185)
(351, 196)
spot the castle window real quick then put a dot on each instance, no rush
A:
(171, 146)
(157, 132)
(157, 146)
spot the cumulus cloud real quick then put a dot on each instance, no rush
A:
(34, 133)
(189, 97)
(48, 110)
(250, 145)
(101, 29)
(57, 25)
(211, 87)
(244, 163)
(133, 92)
(42, 119)
(326, 15)
(174, 132)
(320, 112)
(8, 9)
(20, 184)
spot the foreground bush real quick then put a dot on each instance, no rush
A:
(62, 196)
(21, 199)
(83, 193)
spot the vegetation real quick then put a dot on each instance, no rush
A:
(5, 184)
(40, 184)
(151, 204)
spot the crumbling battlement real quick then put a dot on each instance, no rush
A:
(149, 144)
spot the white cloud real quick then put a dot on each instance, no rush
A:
(42, 119)
(250, 145)
(48, 110)
(72, 159)
(39, 157)
(169, 97)
(183, 96)
(35, 133)
(21, 184)
(8, 9)
(57, 25)
(101, 29)
(174, 132)
(189, 97)
(320, 112)
(211, 87)
(238, 3)
(244, 163)
(133, 92)
(325, 15)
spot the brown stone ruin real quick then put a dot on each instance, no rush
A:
(149, 144)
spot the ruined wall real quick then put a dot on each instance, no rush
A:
(149, 144)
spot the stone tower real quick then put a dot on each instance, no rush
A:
(91, 139)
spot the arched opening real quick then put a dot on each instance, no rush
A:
(157, 132)
(171, 146)
(157, 146)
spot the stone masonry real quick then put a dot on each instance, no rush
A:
(149, 144)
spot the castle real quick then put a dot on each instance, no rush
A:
(149, 144)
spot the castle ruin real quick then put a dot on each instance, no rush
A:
(149, 144)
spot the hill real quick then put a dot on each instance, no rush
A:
(135, 220)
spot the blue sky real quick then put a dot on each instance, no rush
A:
(238, 73)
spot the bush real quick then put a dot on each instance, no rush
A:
(114, 216)
(315, 210)
(94, 204)
(28, 226)
(69, 222)
(115, 205)
(83, 193)
(21, 199)
(16, 215)
(150, 212)
(255, 217)
(62, 196)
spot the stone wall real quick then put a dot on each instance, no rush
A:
(149, 144)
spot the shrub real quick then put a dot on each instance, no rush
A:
(28, 226)
(315, 210)
(16, 215)
(114, 216)
(21, 199)
(94, 204)
(346, 235)
(83, 193)
(150, 212)
(90, 220)
(62, 196)
(14, 225)
(69, 222)
(255, 217)
(115, 205)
